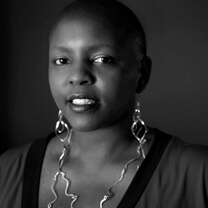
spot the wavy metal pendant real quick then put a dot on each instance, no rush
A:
(65, 153)
(53, 188)
(74, 197)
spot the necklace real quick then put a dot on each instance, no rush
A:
(109, 195)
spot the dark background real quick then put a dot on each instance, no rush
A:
(175, 101)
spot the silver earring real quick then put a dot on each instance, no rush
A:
(61, 127)
(139, 129)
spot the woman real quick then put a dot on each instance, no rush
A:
(106, 158)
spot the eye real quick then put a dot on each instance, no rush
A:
(104, 60)
(61, 61)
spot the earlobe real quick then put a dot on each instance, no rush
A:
(145, 69)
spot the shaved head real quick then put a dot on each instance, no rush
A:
(112, 14)
(121, 21)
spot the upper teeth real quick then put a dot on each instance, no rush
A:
(82, 101)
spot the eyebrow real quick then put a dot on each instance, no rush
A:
(90, 48)
(59, 48)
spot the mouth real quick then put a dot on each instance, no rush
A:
(81, 103)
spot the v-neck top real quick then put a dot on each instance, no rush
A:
(174, 174)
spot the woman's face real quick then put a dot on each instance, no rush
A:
(92, 76)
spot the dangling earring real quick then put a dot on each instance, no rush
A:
(61, 126)
(139, 129)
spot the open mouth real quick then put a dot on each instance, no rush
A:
(79, 103)
(85, 101)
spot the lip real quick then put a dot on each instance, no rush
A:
(79, 107)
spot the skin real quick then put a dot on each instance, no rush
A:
(86, 59)
(85, 42)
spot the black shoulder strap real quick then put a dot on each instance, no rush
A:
(32, 172)
(143, 176)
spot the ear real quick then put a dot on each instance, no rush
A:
(145, 70)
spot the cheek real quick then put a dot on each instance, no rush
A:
(56, 84)
(117, 87)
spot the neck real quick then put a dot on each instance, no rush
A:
(101, 145)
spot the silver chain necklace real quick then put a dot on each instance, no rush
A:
(109, 195)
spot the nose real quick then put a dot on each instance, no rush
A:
(81, 75)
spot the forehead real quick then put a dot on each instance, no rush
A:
(84, 28)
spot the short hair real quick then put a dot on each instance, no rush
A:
(117, 14)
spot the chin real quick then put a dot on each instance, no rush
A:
(95, 122)
(84, 125)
